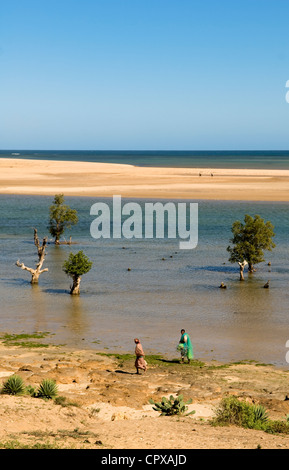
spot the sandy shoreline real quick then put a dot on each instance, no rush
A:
(43, 177)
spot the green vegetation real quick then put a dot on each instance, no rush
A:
(152, 359)
(47, 389)
(63, 433)
(75, 267)
(61, 217)
(62, 401)
(172, 406)
(260, 413)
(18, 340)
(230, 364)
(14, 385)
(249, 242)
(239, 413)
(14, 444)
(31, 391)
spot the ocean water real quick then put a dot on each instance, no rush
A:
(157, 297)
(186, 159)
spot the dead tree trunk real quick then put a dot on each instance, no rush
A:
(242, 266)
(35, 273)
(75, 288)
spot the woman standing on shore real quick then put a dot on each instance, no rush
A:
(186, 347)
(140, 362)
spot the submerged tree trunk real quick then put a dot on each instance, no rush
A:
(35, 273)
(75, 288)
(251, 268)
(242, 266)
(56, 241)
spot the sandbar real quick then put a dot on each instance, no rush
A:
(43, 177)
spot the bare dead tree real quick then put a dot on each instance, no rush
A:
(242, 266)
(35, 273)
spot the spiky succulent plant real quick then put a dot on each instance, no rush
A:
(13, 386)
(260, 413)
(47, 389)
(172, 406)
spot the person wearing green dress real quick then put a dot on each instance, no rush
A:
(185, 347)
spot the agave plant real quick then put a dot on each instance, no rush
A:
(260, 413)
(47, 389)
(13, 386)
(172, 406)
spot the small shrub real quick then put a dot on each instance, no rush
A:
(233, 411)
(31, 391)
(62, 401)
(172, 406)
(277, 427)
(13, 386)
(47, 389)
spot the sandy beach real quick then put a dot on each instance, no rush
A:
(42, 177)
(105, 405)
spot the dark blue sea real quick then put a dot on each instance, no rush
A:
(185, 159)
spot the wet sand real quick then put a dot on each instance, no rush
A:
(42, 177)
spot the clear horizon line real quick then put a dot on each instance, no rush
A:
(140, 150)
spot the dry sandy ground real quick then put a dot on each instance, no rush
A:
(106, 179)
(107, 403)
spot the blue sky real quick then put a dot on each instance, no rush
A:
(153, 74)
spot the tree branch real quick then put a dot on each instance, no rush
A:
(22, 266)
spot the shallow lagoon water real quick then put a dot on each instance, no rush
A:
(157, 297)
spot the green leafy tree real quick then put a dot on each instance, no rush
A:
(61, 217)
(75, 267)
(250, 239)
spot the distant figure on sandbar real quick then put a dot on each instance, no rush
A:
(266, 286)
(223, 286)
(140, 362)
(185, 347)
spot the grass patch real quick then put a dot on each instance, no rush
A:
(262, 364)
(21, 340)
(152, 359)
(28, 344)
(237, 363)
(62, 401)
(14, 444)
(62, 434)
(222, 366)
